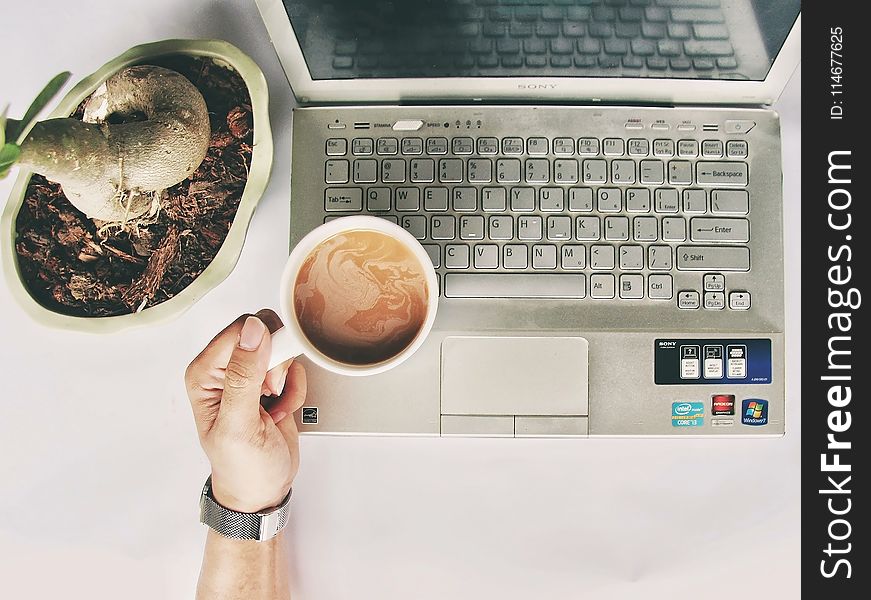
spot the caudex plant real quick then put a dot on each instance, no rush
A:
(143, 131)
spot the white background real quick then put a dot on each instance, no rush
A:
(100, 468)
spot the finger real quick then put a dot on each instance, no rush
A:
(244, 375)
(293, 396)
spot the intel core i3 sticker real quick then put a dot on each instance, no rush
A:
(687, 414)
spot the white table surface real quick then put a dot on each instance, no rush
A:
(100, 467)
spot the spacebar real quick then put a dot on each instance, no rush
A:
(514, 285)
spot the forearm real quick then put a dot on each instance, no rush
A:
(244, 570)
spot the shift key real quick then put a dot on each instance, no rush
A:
(721, 173)
(713, 258)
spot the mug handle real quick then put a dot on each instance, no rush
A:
(285, 345)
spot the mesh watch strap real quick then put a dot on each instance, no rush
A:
(229, 523)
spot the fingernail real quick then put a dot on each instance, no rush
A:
(278, 417)
(252, 334)
(280, 387)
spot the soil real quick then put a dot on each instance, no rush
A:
(73, 265)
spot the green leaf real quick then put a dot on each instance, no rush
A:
(44, 97)
(3, 126)
(9, 153)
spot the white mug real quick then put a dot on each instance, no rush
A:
(290, 341)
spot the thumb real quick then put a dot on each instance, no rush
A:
(243, 378)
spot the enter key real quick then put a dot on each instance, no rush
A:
(719, 230)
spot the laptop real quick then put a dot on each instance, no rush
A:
(598, 184)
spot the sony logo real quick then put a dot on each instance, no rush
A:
(536, 86)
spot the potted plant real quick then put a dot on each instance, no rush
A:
(135, 195)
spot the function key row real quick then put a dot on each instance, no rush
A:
(539, 146)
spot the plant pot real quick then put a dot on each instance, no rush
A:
(224, 261)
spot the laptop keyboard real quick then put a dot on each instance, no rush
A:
(539, 216)
(675, 38)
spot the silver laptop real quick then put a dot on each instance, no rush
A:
(598, 184)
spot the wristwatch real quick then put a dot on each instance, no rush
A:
(259, 526)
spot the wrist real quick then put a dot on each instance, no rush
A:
(247, 503)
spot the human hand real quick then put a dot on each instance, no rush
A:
(244, 414)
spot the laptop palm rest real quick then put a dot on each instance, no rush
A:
(514, 376)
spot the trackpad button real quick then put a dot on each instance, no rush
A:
(514, 376)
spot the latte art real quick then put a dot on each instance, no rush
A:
(361, 297)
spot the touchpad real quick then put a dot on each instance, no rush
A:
(514, 376)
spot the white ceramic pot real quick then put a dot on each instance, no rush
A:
(226, 258)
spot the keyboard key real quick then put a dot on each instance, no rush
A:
(639, 147)
(721, 173)
(493, 199)
(713, 258)
(512, 145)
(344, 199)
(515, 256)
(595, 171)
(659, 258)
(434, 252)
(362, 146)
(714, 282)
(543, 256)
(602, 257)
(730, 202)
(645, 229)
(559, 228)
(705, 31)
(587, 228)
(565, 171)
(529, 228)
(435, 199)
(336, 171)
(437, 145)
(638, 200)
(451, 170)
(537, 145)
(688, 300)
(488, 145)
(387, 146)
(616, 228)
(580, 199)
(631, 258)
(508, 170)
(573, 257)
(462, 145)
(480, 170)
(695, 201)
(679, 31)
(472, 227)
(588, 146)
(415, 225)
(719, 230)
(736, 149)
(365, 171)
(501, 227)
(632, 286)
(486, 256)
(422, 170)
(412, 146)
(443, 227)
(659, 287)
(674, 229)
(688, 148)
(652, 172)
(708, 48)
(551, 199)
(663, 148)
(680, 172)
(392, 170)
(613, 147)
(712, 149)
(523, 199)
(623, 171)
(609, 200)
(739, 300)
(407, 199)
(715, 300)
(465, 199)
(337, 147)
(665, 200)
(697, 15)
(515, 285)
(564, 147)
(537, 170)
(456, 257)
(378, 199)
(601, 286)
